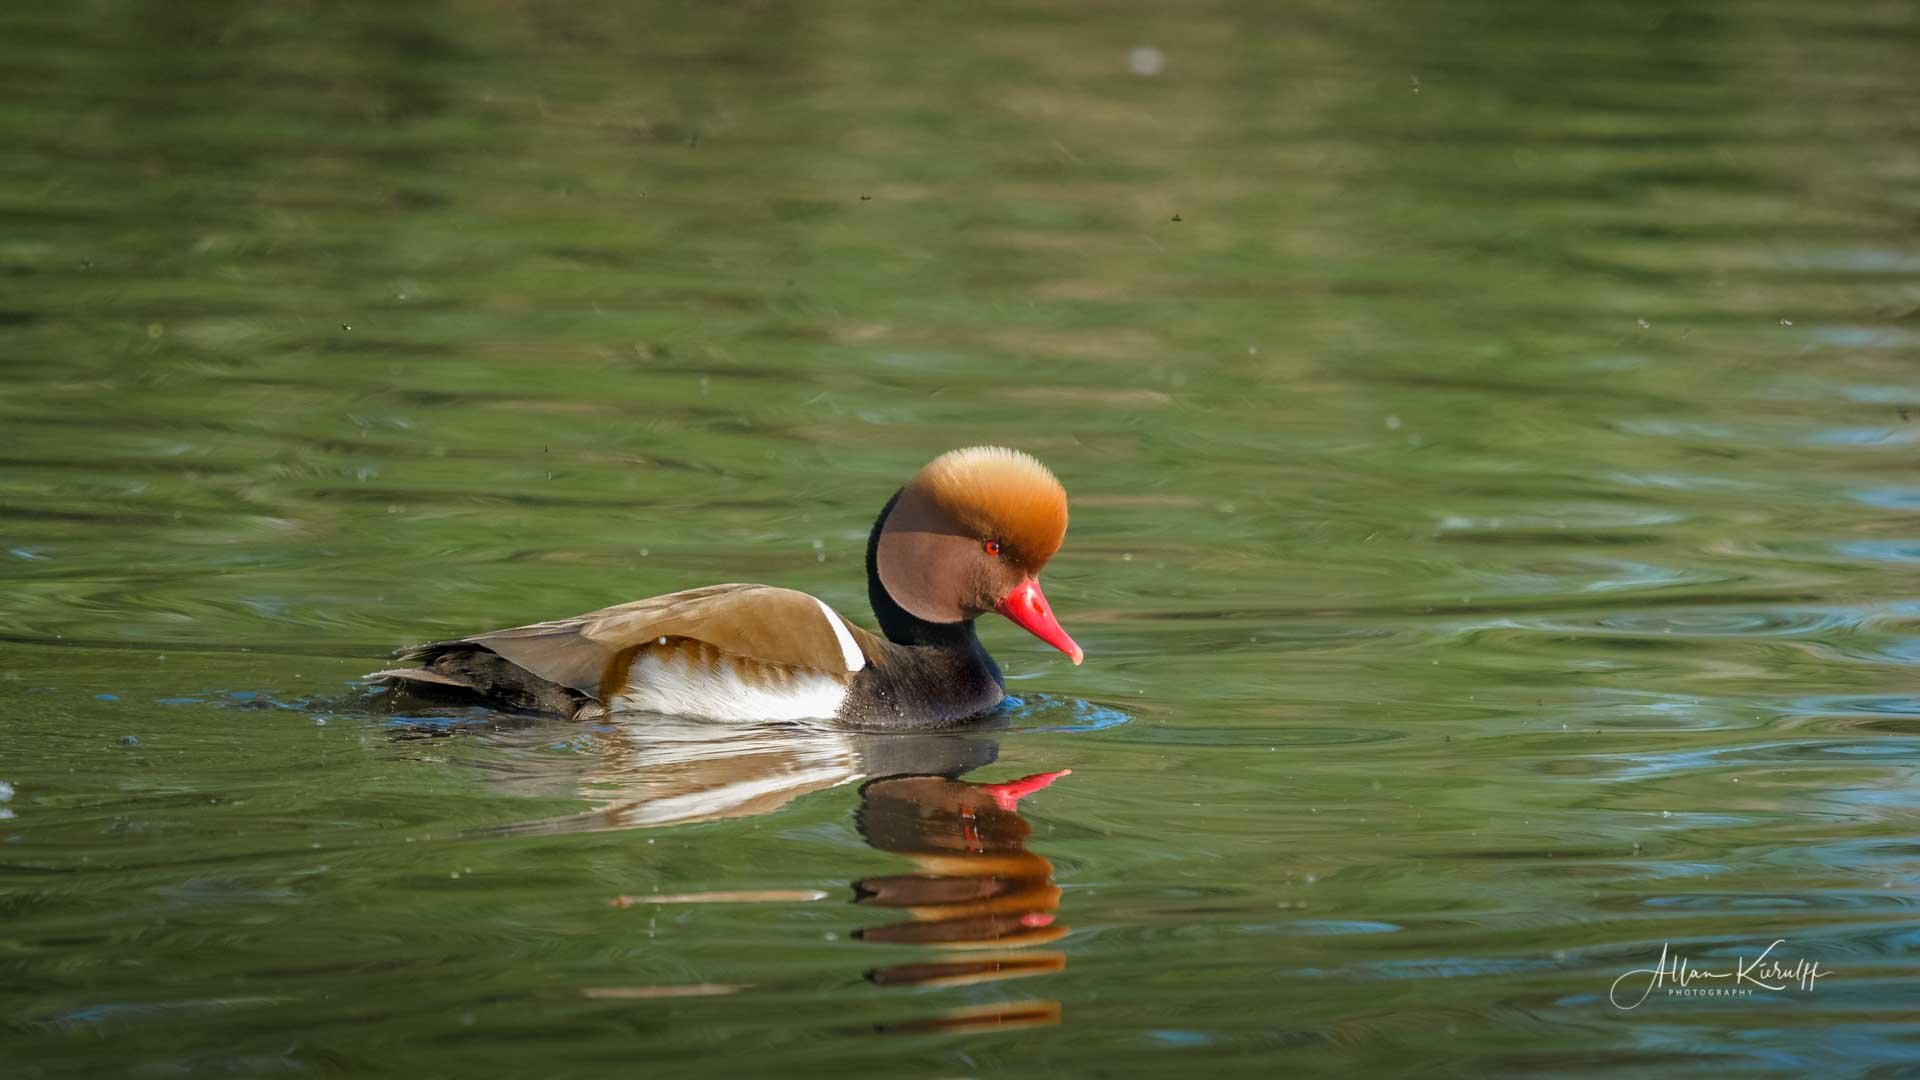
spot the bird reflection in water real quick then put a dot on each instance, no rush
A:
(978, 886)
(976, 895)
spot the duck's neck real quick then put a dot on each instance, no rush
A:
(901, 626)
(936, 673)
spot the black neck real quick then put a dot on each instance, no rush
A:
(901, 626)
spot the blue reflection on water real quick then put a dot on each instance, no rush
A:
(1891, 498)
(1054, 713)
(1459, 967)
(1330, 927)
(1182, 1038)
(1884, 550)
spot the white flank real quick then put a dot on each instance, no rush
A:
(679, 686)
(849, 652)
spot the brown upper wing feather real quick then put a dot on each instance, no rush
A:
(779, 626)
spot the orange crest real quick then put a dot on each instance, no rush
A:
(1001, 495)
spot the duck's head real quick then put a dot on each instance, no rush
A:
(969, 534)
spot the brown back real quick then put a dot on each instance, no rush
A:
(757, 622)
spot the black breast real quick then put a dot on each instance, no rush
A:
(924, 686)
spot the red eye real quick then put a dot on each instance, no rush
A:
(993, 548)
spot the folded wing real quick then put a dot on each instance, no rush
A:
(594, 652)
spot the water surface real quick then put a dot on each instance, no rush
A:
(1491, 432)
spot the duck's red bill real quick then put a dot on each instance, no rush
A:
(1027, 606)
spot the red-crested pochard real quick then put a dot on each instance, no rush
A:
(967, 535)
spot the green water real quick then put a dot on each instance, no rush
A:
(1491, 431)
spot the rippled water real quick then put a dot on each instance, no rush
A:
(1491, 431)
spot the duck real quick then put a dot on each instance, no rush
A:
(966, 536)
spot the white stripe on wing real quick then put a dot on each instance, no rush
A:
(849, 651)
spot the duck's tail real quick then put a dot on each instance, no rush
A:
(477, 675)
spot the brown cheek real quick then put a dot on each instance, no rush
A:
(928, 573)
(982, 591)
(989, 581)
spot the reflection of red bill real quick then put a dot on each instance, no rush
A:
(1009, 794)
